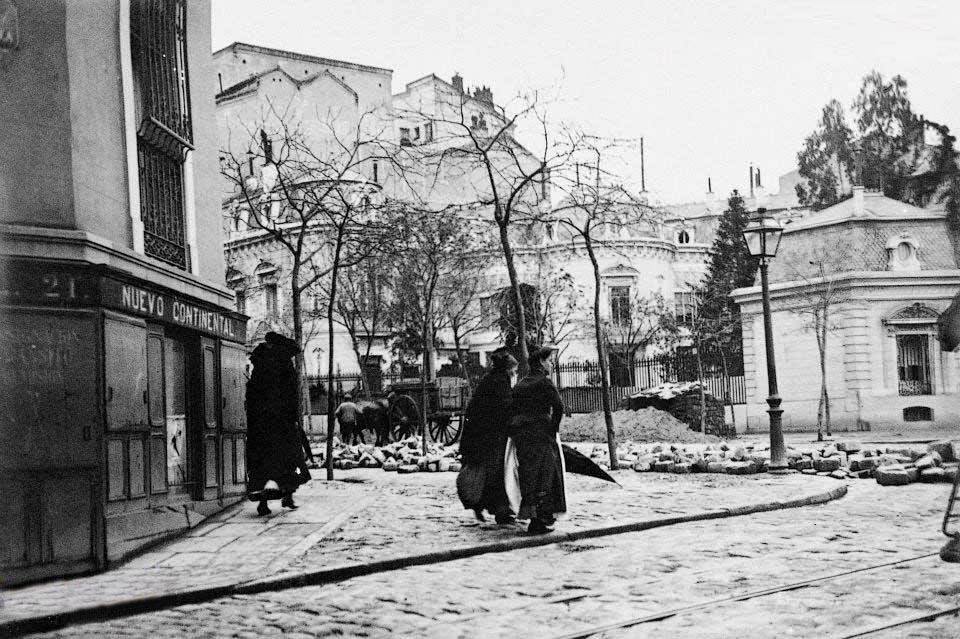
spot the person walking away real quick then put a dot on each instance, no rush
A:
(536, 411)
(484, 437)
(346, 415)
(275, 455)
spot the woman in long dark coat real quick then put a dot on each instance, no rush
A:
(536, 410)
(484, 437)
(274, 448)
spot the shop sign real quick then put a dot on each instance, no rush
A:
(50, 283)
(167, 307)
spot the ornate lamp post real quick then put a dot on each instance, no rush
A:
(762, 236)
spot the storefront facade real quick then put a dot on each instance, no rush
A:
(122, 361)
(125, 423)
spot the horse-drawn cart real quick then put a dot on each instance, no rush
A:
(446, 402)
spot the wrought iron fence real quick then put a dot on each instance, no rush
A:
(579, 383)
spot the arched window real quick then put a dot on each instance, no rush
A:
(683, 237)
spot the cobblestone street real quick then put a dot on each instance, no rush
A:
(557, 589)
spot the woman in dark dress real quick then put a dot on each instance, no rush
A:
(536, 410)
(484, 437)
(274, 448)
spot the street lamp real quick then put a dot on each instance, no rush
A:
(762, 236)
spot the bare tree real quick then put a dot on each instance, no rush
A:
(597, 212)
(821, 306)
(434, 247)
(473, 142)
(317, 198)
(557, 304)
(643, 321)
(716, 331)
(459, 302)
(362, 308)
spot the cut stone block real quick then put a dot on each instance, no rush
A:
(827, 464)
(932, 475)
(892, 476)
(929, 460)
(946, 449)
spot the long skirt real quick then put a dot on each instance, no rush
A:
(494, 498)
(538, 472)
(277, 456)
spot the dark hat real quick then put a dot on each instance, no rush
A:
(284, 344)
(538, 355)
(501, 359)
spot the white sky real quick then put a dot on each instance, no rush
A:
(711, 86)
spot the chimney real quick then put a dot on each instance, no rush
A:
(483, 94)
(758, 177)
(709, 186)
(457, 82)
(858, 209)
(751, 180)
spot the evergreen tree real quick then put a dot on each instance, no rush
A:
(731, 267)
(886, 130)
(826, 160)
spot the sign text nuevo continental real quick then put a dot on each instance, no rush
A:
(169, 308)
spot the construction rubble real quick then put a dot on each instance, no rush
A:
(840, 460)
(405, 456)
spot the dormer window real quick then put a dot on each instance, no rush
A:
(405, 137)
(902, 253)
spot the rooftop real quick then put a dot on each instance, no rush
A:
(293, 55)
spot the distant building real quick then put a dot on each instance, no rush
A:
(121, 357)
(668, 256)
(893, 271)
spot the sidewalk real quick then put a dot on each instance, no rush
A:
(369, 515)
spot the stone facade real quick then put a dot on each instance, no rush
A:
(891, 271)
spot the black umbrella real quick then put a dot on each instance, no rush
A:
(580, 464)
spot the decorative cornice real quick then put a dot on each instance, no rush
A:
(82, 246)
(852, 280)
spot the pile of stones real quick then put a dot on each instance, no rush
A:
(404, 456)
(687, 458)
(840, 460)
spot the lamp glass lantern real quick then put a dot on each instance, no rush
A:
(762, 236)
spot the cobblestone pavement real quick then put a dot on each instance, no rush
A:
(554, 590)
(375, 515)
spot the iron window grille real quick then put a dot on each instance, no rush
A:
(913, 365)
(165, 130)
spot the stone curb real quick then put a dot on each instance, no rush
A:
(136, 606)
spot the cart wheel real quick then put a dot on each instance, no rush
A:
(444, 428)
(404, 417)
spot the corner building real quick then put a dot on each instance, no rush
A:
(121, 357)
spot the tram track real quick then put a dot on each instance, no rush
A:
(904, 621)
(798, 585)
